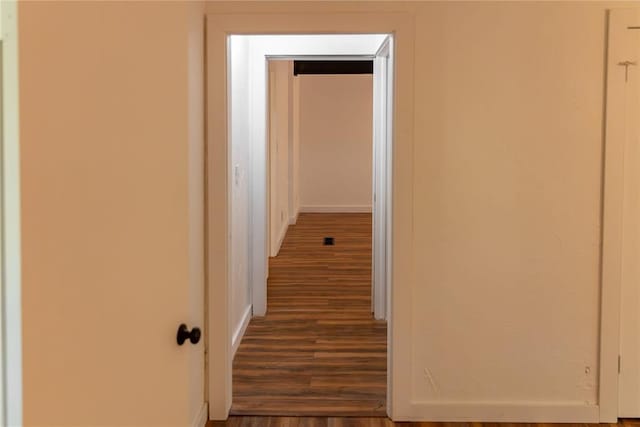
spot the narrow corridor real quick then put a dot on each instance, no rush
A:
(318, 351)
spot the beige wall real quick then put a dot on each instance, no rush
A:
(507, 201)
(503, 291)
(111, 146)
(336, 142)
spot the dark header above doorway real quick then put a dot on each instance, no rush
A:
(332, 67)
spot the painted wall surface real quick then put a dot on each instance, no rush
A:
(111, 147)
(506, 226)
(336, 142)
(504, 289)
(507, 202)
(239, 179)
(280, 151)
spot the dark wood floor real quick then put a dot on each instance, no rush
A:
(318, 351)
(379, 422)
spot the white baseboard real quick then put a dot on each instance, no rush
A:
(202, 417)
(512, 412)
(336, 209)
(240, 330)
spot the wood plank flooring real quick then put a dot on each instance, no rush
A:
(379, 422)
(318, 351)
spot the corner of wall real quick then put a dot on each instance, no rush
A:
(281, 234)
(294, 215)
(202, 417)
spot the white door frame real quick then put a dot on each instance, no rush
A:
(219, 27)
(613, 198)
(382, 176)
(10, 300)
(628, 52)
(261, 51)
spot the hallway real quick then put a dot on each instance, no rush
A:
(318, 351)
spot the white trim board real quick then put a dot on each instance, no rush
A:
(219, 26)
(529, 412)
(240, 330)
(612, 214)
(203, 416)
(11, 360)
(336, 209)
(291, 43)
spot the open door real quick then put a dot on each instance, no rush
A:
(624, 102)
(382, 143)
(10, 312)
(112, 211)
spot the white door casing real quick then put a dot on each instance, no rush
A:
(626, 63)
(3, 421)
(264, 48)
(382, 150)
(219, 27)
(616, 208)
(10, 296)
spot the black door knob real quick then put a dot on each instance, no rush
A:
(184, 334)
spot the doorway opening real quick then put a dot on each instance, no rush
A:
(317, 361)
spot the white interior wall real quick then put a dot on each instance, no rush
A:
(239, 179)
(336, 142)
(506, 162)
(280, 151)
(508, 169)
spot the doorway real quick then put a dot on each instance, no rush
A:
(220, 331)
(258, 226)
